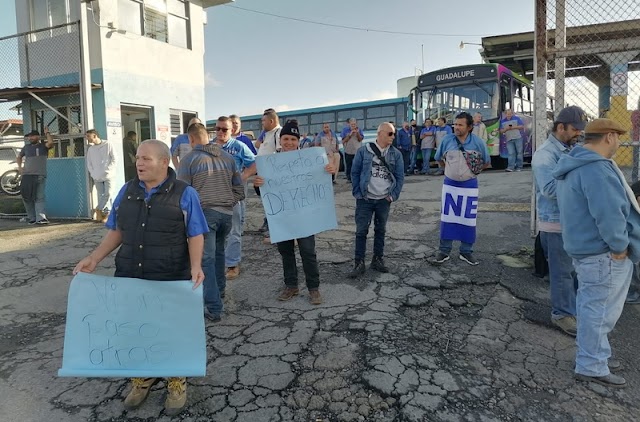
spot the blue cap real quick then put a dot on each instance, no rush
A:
(573, 115)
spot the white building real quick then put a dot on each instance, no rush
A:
(145, 64)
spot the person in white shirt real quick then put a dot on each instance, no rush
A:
(101, 162)
(270, 140)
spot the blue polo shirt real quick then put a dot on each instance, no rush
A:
(241, 154)
(247, 141)
(189, 203)
(473, 143)
(180, 146)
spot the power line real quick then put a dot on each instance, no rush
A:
(382, 31)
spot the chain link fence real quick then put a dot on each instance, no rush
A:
(588, 54)
(39, 89)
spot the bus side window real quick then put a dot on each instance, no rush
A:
(505, 92)
(517, 97)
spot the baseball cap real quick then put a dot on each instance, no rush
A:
(604, 126)
(32, 133)
(573, 115)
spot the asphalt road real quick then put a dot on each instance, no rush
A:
(423, 343)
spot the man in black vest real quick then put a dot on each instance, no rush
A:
(159, 226)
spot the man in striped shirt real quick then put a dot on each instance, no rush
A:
(212, 173)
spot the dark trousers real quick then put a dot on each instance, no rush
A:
(307, 247)
(406, 157)
(348, 161)
(365, 210)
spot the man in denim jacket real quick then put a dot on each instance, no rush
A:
(377, 176)
(562, 281)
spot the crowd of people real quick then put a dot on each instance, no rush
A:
(188, 223)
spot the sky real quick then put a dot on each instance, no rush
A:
(253, 61)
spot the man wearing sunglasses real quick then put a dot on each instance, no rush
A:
(246, 166)
(377, 177)
(212, 173)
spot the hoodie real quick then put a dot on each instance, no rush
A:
(101, 161)
(598, 212)
(213, 174)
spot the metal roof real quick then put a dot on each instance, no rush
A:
(23, 92)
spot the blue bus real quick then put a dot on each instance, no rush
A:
(369, 115)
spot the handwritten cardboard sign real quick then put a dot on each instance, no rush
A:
(127, 327)
(297, 194)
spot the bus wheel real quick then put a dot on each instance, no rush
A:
(498, 162)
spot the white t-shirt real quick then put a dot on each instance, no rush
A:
(270, 142)
(380, 182)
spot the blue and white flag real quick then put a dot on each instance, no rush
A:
(459, 210)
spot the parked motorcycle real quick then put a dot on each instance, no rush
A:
(10, 182)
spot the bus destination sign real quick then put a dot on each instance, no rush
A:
(458, 74)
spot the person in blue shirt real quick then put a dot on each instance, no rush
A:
(181, 146)
(246, 165)
(237, 134)
(442, 130)
(404, 145)
(511, 127)
(158, 225)
(600, 221)
(461, 224)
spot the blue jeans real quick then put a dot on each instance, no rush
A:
(35, 209)
(602, 288)
(562, 277)
(233, 248)
(413, 156)
(515, 148)
(365, 210)
(213, 265)
(103, 187)
(426, 156)
(447, 244)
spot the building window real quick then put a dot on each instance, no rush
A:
(48, 13)
(163, 20)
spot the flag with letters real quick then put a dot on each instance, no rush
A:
(459, 209)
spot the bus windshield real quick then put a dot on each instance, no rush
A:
(472, 97)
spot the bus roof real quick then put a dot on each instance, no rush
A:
(400, 100)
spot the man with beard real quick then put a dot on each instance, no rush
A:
(567, 128)
(34, 175)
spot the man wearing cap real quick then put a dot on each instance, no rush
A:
(567, 128)
(34, 175)
(600, 230)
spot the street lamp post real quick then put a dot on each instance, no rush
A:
(462, 44)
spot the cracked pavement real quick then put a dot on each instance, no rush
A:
(423, 343)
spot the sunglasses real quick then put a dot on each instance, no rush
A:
(392, 134)
(222, 129)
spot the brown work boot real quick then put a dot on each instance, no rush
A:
(98, 215)
(233, 272)
(288, 293)
(139, 391)
(105, 216)
(314, 297)
(176, 395)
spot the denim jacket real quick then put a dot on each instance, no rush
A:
(361, 171)
(543, 162)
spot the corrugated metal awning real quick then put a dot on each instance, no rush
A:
(24, 92)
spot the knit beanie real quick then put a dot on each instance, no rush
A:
(290, 128)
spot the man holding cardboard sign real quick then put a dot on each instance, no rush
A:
(158, 225)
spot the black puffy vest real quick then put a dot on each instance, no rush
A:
(154, 234)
